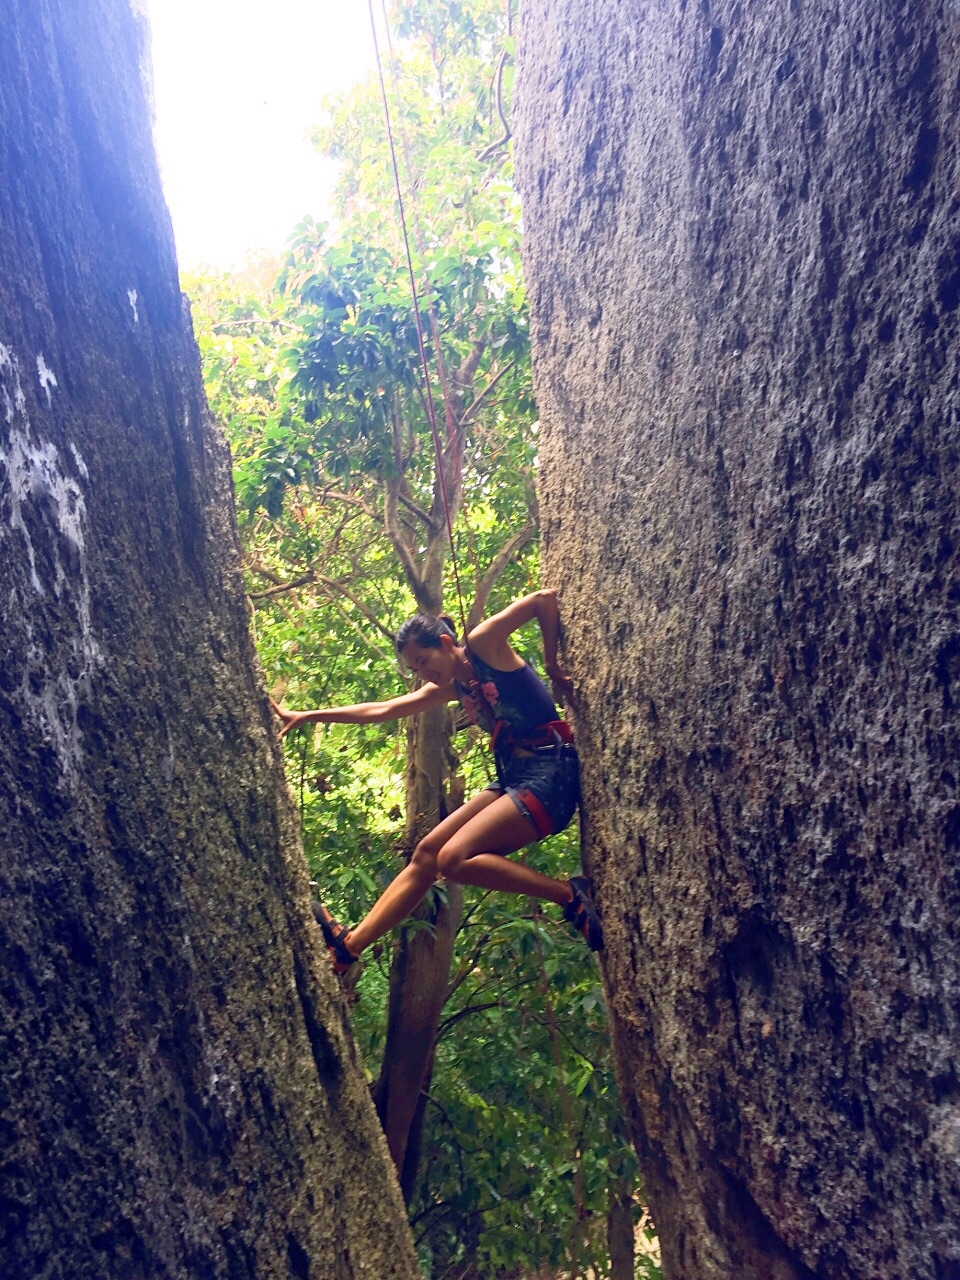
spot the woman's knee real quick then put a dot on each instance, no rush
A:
(450, 861)
(424, 860)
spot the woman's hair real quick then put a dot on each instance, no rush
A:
(425, 631)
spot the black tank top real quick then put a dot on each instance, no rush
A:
(519, 697)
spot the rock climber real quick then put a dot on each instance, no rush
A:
(537, 769)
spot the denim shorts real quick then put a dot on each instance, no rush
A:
(544, 785)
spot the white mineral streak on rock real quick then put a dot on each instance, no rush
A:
(78, 459)
(132, 299)
(945, 1130)
(14, 400)
(47, 378)
(38, 500)
(223, 1083)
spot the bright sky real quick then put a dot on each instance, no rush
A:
(238, 84)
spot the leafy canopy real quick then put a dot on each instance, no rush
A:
(312, 365)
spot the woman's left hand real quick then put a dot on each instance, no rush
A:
(563, 685)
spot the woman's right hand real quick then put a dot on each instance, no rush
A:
(291, 719)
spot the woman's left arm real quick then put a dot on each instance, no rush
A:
(491, 638)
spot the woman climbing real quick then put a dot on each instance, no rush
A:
(538, 774)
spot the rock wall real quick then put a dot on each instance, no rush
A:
(742, 246)
(179, 1095)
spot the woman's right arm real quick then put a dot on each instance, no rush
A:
(409, 704)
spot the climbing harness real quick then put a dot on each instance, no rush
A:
(552, 736)
(553, 740)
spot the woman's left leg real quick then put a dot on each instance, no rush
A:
(475, 854)
(408, 888)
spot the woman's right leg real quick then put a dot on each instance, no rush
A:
(403, 893)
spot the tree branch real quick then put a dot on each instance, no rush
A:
(417, 511)
(465, 1012)
(352, 622)
(332, 585)
(415, 580)
(302, 581)
(312, 577)
(453, 451)
(494, 147)
(395, 431)
(466, 968)
(352, 501)
(468, 414)
(251, 321)
(495, 568)
(468, 365)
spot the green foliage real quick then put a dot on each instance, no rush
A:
(525, 1026)
(312, 365)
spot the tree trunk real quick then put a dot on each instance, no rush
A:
(179, 1094)
(620, 1233)
(420, 973)
(742, 246)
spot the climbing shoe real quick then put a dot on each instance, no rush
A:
(334, 935)
(581, 912)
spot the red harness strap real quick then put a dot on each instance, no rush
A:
(555, 733)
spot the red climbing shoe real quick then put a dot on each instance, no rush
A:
(333, 936)
(581, 912)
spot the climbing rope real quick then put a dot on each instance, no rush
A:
(431, 414)
(452, 430)
(421, 249)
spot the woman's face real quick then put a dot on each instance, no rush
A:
(435, 665)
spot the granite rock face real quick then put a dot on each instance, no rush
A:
(179, 1095)
(742, 245)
